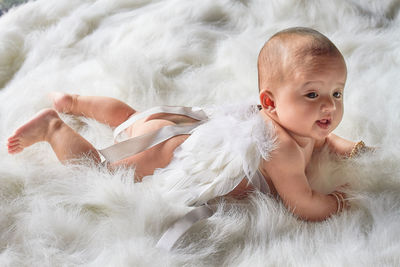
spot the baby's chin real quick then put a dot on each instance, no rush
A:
(315, 134)
(320, 136)
(320, 132)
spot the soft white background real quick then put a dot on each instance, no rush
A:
(199, 52)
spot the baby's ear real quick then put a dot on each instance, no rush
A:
(266, 99)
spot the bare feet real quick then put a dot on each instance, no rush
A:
(62, 102)
(33, 131)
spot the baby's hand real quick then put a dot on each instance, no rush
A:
(343, 187)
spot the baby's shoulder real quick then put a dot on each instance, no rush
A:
(287, 148)
(287, 159)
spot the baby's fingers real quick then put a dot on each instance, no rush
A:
(343, 187)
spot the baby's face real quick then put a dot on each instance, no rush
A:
(310, 102)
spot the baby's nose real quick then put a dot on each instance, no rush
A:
(328, 105)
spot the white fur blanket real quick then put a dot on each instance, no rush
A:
(193, 53)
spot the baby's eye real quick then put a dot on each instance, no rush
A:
(312, 95)
(337, 94)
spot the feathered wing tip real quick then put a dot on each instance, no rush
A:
(254, 138)
(266, 139)
(218, 154)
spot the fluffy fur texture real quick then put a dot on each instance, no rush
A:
(193, 53)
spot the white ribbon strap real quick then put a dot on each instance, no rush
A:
(182, 225)
(174, 232)
(140, 143)
(258, 180)
(193, 112)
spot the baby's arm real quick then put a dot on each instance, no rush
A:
(339, 145)
(286, 169)
(346, 148)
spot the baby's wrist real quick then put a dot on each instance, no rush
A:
(358, 149)
(341, 201)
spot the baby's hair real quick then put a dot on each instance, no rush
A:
(273, 64)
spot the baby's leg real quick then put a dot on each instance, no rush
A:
(47, 126)
(103, 109)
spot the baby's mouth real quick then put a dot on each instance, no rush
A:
(324, 124)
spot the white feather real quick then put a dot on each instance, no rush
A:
(218, 155)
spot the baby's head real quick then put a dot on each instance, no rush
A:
(301, 76)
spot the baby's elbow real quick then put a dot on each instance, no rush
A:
(307, 215)
(307, 208)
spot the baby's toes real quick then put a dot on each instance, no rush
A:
(14, 149)
(12, 141)
(14, 138)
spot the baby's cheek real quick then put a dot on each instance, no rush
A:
(339, 114)
(303, 114)
(338, 119)
(298, 118)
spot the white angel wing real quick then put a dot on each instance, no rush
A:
(218, 155)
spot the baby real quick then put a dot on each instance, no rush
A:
(301, 77)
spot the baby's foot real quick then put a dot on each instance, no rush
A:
(62, 102)
(33, 131)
